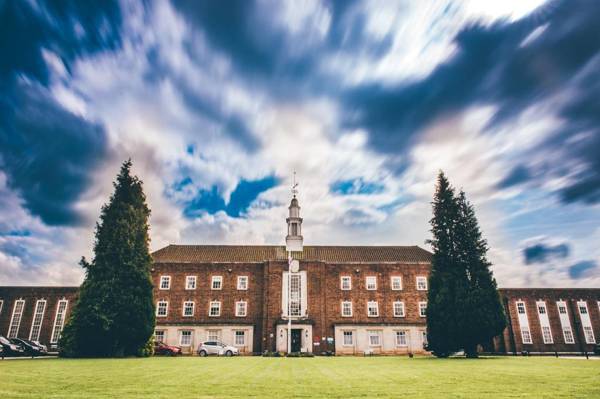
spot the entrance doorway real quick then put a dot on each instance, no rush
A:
(296, 339)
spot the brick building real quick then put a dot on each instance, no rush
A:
(346, 299)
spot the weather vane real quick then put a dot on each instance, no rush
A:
(294, 186)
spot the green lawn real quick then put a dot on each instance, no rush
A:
(193, 377)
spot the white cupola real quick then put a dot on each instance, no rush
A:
(293, 240)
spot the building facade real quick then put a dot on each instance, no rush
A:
(343, 299)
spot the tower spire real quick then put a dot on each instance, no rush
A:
(293, 239)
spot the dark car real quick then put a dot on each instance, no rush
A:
(10, 349)
(30, 347)
(161, 348)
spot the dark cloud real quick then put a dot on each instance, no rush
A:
(543, 252)
(47, 152)
(212, 201)
(582, 269)
(502, 65)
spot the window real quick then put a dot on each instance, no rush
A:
(546, 335)
(214, 335)
(372, 309)
(374, 338)
(589, 335)
(396, 283)
(398, 309)
(526, 335)
(541, 308)
(520, 307)
(346, 309)
(59, 320)
(295, 294)
(582, 309)
(241, 308)
(562, 309)
(346, 283)
(159, 335)
(294, 229)
(240, 338)
(215, 309)
(15, 320)
(190, 282)
(188, 308)
(421, 283)
(161, 308)
(185, 337)
(217, 282)
(165, 282)
(401, 338)
(423, 309)
(38, 317)
(568, 334)
(242, 282)
(371, 283)
(348, 338)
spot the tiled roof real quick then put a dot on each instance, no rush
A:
(261, 253)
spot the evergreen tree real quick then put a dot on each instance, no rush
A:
(482, 312)
(464, 308)
(114, 314)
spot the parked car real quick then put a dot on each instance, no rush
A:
(217, 348)
(30, 348)
(160, 348)
(10, 349)
(43, 347)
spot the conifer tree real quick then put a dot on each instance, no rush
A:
(464, 308)
(114, 314)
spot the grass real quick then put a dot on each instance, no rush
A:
(341, 377)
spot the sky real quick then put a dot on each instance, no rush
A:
(217, 103)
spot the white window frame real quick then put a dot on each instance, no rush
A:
(374, 333)
(236, 335)
(565, 322)
(345, 334)
(215, 333)
(59, 320)
(241, 305)
(399, 333)
(190, 335)
(216, 279)
(402, 313)
(371, 283)
(542, 311)
(218, 307)
(349, 303)
(38, 320)
(185, 306)
(15, 319)
(526, 337)
(160, 332)
(369, 303)
(422, 309)
(423, 286)
(396, 279)
(244, 286)
(193, 280)
(166, 279)
(344, 279)
(166, 303)
(586, 322)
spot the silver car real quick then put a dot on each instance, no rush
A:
(217, 348)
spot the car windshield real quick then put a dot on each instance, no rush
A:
(4, 341)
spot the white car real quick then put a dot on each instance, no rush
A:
(217, 348)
